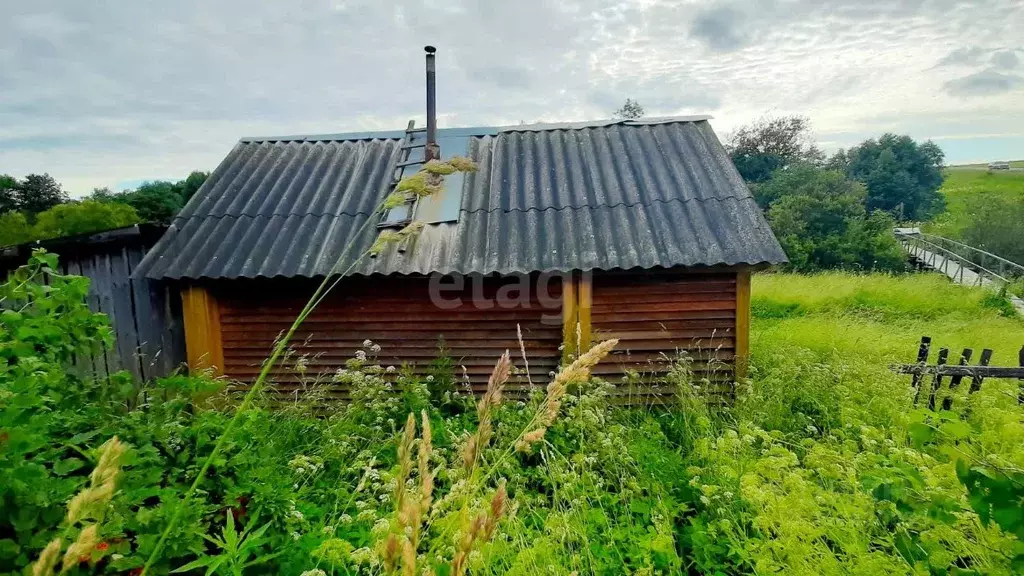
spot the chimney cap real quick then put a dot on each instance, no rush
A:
(430, 49)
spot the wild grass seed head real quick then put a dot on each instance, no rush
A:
(578, 371)
(462, 164)
(81, 548)
(404, 459)
(439, 167)
(426, 476)
(102, 482)
(408, 559)
(485, 407)
(47, 559)
(390, 555)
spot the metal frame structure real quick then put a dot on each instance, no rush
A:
(928, 248)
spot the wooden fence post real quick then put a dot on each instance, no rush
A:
(1020, 360)
(965, 357)
(986, 357)
(922, 358)
(937, 382)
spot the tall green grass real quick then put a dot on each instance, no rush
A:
(964, 189)
(829, 339)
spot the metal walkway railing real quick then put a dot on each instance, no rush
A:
(961, 262)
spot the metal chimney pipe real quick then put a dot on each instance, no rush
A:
(431, 151)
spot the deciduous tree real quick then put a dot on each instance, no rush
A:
(769, 143)
(902, 176)
(819, 218)
(39, 192)
(8, 193)
(14, 229)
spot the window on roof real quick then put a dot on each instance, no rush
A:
(442, 207)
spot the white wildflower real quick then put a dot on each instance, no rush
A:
(381, 527)
(364, 556)
(367, 343)
(361, 355)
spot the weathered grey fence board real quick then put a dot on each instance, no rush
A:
(126, 335)
(149, 338)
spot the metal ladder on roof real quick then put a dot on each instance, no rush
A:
(409, 144)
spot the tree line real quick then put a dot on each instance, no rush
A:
(37, 207)
(837, 211)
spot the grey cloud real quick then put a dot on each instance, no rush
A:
(965, 56)
(141, 87)
(984, 83)
(720, 27)
(1005, 59)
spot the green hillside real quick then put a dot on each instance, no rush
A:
(966, 191)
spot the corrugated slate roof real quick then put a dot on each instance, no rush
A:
(608, 195)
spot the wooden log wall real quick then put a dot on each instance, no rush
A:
(658, 314)
(397, 314)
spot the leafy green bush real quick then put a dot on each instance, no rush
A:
(819, 218)
(68, 219)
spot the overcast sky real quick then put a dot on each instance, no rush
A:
(111, 93)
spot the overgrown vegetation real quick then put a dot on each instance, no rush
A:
(820, 221)
(820, 466)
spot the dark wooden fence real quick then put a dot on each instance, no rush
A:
(145, 314)
(956, 373)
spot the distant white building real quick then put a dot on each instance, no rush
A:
(999, 166)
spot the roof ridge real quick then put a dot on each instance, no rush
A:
(478, 131)
(476, 211)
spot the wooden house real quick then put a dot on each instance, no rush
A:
(636, 229)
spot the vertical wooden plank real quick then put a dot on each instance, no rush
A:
(147, 323)
(1020, 361)
(83, 363)
(965, 357)
(742, 322)
(937, 381)
(172, 334)
(584, 303)
(104, 289)
(125, 333)
(570, 316)
(986, 357)
(202, 330)
(98, 356)
(922, 358)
